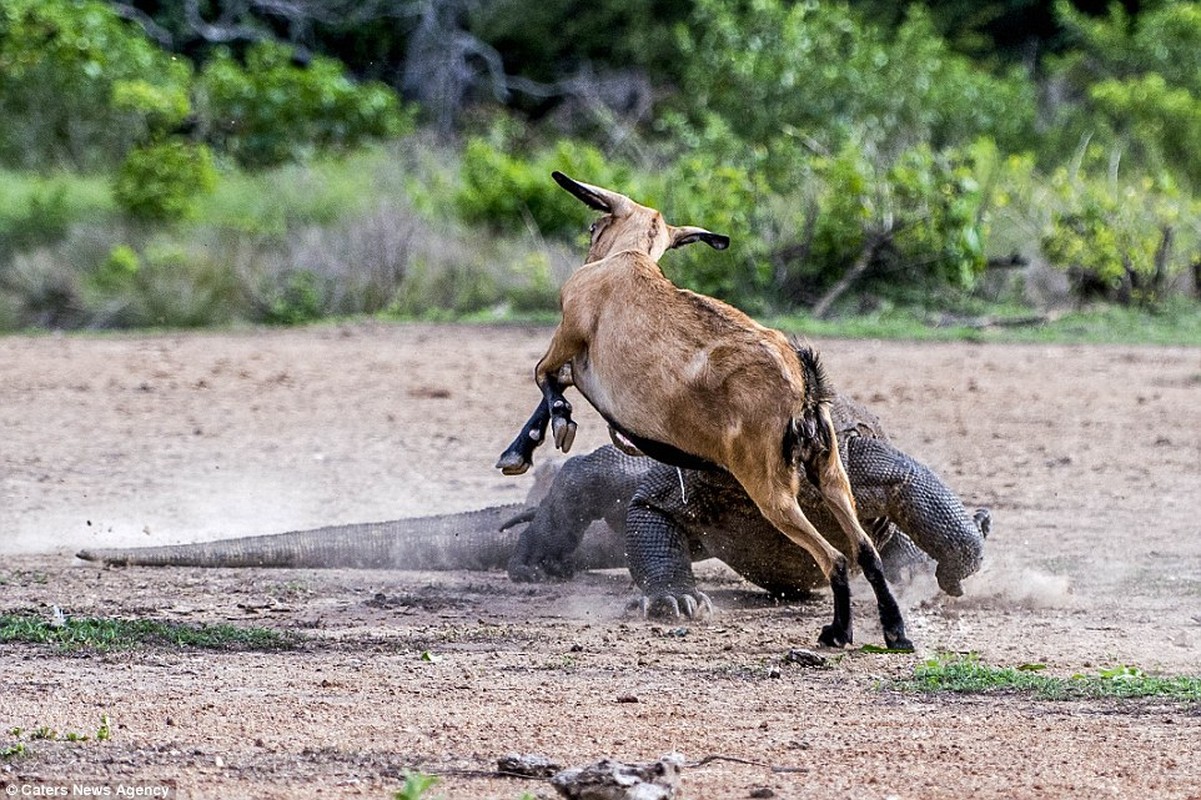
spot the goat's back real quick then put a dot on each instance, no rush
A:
(675, 366)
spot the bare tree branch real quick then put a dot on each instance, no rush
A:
(152, 29)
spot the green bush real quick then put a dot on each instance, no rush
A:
(514, 192)
(118, 272)
(42, 219)
(76, 83)
(272, 110)
(177, 288)
(1140, 78)
(773, 69)
(1120, 239)
(922, 224)
(301, 299)
(162, 181)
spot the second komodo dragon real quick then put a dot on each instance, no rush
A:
(607, 508)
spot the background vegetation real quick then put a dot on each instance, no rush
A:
(201, 162)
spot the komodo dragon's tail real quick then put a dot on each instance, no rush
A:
(471, 540)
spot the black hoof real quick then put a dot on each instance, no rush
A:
(564, 432)
(898, 642)
(833, 636)
(513, 463)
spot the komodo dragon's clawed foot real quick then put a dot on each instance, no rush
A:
(983, 520)
(693, 604)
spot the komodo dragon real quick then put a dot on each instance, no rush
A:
(665, 518)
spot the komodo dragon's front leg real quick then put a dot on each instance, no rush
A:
(596, 486)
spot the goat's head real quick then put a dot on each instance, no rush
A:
(630, 226)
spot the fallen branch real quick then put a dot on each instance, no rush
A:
(871, 246)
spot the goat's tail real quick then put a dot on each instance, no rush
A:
(807, 437)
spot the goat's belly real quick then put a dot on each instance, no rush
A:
(638, 409)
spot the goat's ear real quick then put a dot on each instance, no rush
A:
(689, 234)
(592, 196)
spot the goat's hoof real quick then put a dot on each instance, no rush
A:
(833, 636)
(513, 463)
(564, 431)
(898, 642)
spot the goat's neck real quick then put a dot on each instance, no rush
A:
(644, 234)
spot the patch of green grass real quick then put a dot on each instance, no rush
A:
(45, 733)
(967, 674)
(416, 786)
(96, 633)
(1175, 322)
(320, 191)
(81, 196)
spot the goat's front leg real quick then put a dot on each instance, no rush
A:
(553, 375)
(519, 455)
(555, 410)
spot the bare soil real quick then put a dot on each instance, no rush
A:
(1089, 457)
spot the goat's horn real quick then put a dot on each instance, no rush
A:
(593, 196)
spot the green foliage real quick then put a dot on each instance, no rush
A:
(1160, 125)
(321, 191)
(79, 85)
(537, 290)
(700, 189)
(512, 191)
(943, 200)
(967, 674)
(161, 182)
(416, 786)
(773, 69)
(445, 291)
(1121, 240)
(175, 286)
(922, 223)
(118, 271)
(42, 219)
(104, 634)
(301, 300)
(1141, 78)
(271, 110)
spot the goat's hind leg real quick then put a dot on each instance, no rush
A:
(836, 490)
(779, 506)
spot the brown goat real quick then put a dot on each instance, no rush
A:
(694, 382)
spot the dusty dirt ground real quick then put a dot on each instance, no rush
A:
(1090, 458)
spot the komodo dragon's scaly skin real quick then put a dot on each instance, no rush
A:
(664, 518)
(674, 517)
(472, 540)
